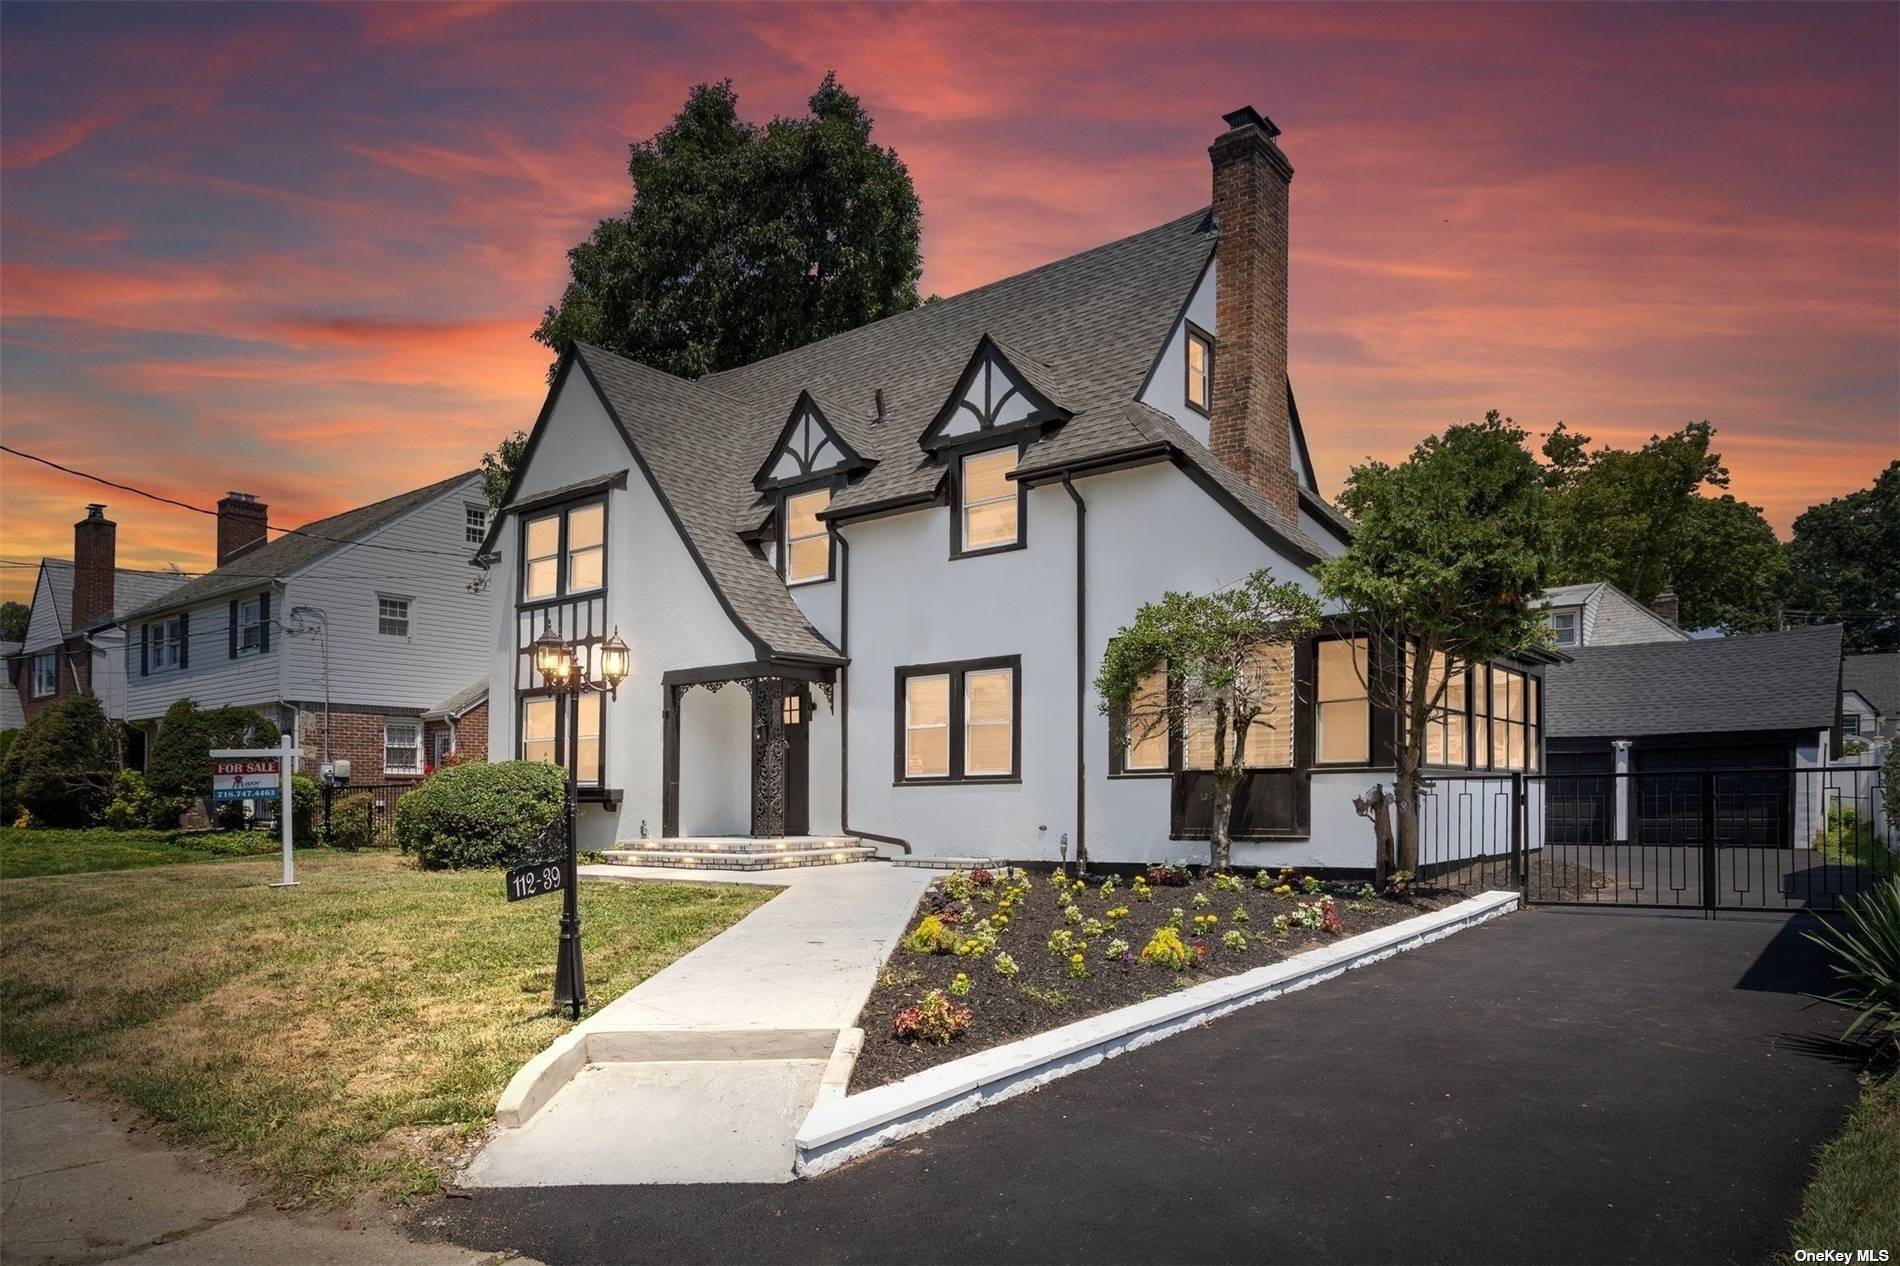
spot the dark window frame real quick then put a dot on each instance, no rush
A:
(563, 717)
(956, 457)
(1195, 334)
(955, 670)
(782, 515)
(1372, 666)
(560, 510)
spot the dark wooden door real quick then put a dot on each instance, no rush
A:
(797, 706)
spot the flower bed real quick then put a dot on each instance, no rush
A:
(996, 956)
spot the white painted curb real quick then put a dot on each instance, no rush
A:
(838, 1130)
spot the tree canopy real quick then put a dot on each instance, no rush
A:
(1647, 518)
(1450, 551)
(498, 467)
(1218, 650)
(744, 241)
(61, 766)
(1845, 564)
(13, 618)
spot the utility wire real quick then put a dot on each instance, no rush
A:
(182, 505)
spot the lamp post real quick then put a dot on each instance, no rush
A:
(565, 671)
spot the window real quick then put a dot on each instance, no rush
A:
(564, 552)
(392, 617)
(165, 645)
(1200, 370)
(990, 515)
(539, 714)
(807, 539)
(959, 722)
(1445, 730)
(1342, 706)
(45, 675)
(1145, 726)
(475, 524)
(441, 747)
(1850, 721)
(402, 746)
(1270, 737)
(1565, 627)
(1502, 727)
(250, 625)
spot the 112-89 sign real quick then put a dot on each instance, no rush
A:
(531, 881)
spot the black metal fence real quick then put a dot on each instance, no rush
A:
(359, 815)
(1715, 839)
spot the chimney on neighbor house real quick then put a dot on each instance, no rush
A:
(1250, 429)
(1667, 605)
(95, 558)
(240, 525)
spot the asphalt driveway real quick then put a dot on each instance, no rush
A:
(1557, 1086)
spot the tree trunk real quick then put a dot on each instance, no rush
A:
(1219, 846)
(1408, 821)
(1377, 806)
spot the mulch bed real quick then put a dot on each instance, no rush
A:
(1042, 994)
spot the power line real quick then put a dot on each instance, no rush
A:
(182, 505)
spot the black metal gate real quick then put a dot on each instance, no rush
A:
(1742, 837)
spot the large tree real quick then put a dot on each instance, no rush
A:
(498, 466)
(1845, 557)
(13, 618)
(1657, 517)
(1450, 550)
(1227, 655)
(743, 241)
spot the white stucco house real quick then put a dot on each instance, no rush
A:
(867, 583)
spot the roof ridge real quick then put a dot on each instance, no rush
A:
(314, 524)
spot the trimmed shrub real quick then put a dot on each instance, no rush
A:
(351, 818)
(179, 770)
(305, 800)
(61, 767)
(131, 802)
(9, 799)
(480, 815)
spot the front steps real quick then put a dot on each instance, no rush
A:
(740, 853)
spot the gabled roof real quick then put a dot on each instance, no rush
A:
(1876, 677)
(1767, 681)
(275, 560)
(131, 589)
(460, 702)
(810, 443)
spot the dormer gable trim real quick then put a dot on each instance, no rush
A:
(808, 447)
(992, 398)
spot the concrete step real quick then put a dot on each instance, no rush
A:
(740, 844)
(704, 859)
(947, 863)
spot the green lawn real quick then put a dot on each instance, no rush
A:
(346, 1035)
(24, 853)
(1853, 1200)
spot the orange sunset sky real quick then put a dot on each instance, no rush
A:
(298, 250)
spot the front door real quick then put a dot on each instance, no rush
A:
(797, 717)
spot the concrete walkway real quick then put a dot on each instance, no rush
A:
(703, 1072)
(83, 1184)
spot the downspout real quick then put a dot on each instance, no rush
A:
(1081, 674)
(844, 707)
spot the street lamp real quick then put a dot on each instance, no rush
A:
(565, 671)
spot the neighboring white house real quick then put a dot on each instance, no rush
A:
(74, 639)
(867, 583)
(12, 712)
(366, 618)
(1600, 614)
(1870, 695)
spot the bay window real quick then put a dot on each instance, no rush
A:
(1144, 727)
(1270, 737)
(959, 722)
(1342, 706)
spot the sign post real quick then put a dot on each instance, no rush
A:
(259, 773)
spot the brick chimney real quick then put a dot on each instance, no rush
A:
(1250, 428)
(240, 525)
(1667, 605)
(95, 558)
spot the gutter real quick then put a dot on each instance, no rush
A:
(1081, 674)
(844, 710)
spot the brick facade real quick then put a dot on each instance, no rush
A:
(357, 737)
(1250, 429)
(75, 676)
(241, 525)
(95, 559)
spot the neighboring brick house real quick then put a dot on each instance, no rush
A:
(74, 639)
(345, 632)
(458, 726)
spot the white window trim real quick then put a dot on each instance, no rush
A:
(470, 533)
(1575, 615)
(414, 723)
(251, 620)
(408, 618)
(49, 657)
(160, 635)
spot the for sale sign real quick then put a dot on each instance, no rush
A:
(243, 778)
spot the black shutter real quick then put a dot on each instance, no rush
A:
(232, 653)
(184, 640)
(263, 622)
(145, 650)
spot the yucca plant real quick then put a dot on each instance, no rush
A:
(1866, 949)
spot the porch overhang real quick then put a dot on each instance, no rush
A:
(752, 670)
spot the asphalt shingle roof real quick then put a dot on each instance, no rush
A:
(1085, 331)
(130, 591)
(1876, 677)
(1767, 681)
(279, 558)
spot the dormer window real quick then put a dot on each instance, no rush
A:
(993, 397)
(989, 503)
(806, 549)
(1200, 369)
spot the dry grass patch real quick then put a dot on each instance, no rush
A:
(349, 1034)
